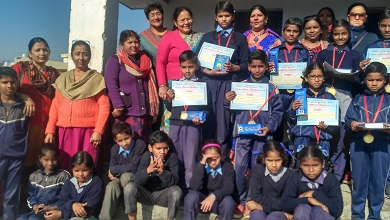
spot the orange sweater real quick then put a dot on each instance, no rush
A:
(90, 112)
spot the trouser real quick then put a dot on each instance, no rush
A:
(308, 212)
(261, 215)
(169, 197)
(338, 158)
(224, 208)
(111, 196)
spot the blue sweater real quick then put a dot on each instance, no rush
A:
(303, 54)
(356, 34)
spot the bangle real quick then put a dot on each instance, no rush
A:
(162, 85)
(119, 109)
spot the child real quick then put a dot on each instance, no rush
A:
(341, 57)
(248, 146)
(218, 81)
(13, 136)
(321, 134)
(125, 157)
(369, 149)
(185, 134)
(313, 193)
(268, 181)
(212, 186)
(156, 179)
(45, 184)
(81, 196)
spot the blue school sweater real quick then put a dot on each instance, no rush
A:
(220, 186)
(329, 194)
(239, 57)
(265, 191)
(356, 34)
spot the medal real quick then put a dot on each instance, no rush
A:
(368, 138)
(251, 122)
(290, 90)
(387, 88)
(183, 115)
(332, 91)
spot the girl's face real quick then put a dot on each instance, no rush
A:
(291, 34)
(384, 27)
(184, 22)
(257, 68)
(311, 167)
(325, 17)
(357, 16)
(312, 30)
(340, 36)
(131, 46)
(315, 79)
(39, 53)
(155, 18)
(49, 161)
(215, 158)
(81, 172)
(224, 19)
(81, 56)
(257, 20)
(273, 161)
(375, 81)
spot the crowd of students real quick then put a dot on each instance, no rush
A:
(203, 162)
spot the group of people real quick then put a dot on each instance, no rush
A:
(161, 158)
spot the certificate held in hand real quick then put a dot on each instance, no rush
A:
(189, 93)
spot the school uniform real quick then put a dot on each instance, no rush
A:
(249, 146)
(267, 189)
(185, 136)
(207, 181)
(218, 123)
(326, 190)
(370, 162)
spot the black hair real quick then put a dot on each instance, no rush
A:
(228, 7)
(215, 148)
(159, 137)
(37, 40)
(275, 147)
(311, 152)
(8, 72)
(309, 69)
(311, 18)
(82, 157)
(47, 147)
(125, 34)
(83, 43)
(376, 67)
(355, 5)
(189, 55)
(294, 21)
(121, 127)
(331, 12)
(340, 23)
(152, 6)
(177, 12)
(384, 15)
(258, 55)
(260, 8)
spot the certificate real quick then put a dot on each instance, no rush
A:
(208, 52)
(189, 93)
(380, 55)
(250, 96)
(320, 110)
(289, 75)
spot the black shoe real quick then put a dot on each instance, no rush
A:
(387, 191)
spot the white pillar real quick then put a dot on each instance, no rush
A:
(97, 22)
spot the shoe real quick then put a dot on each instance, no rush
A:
(387, 191)
(347, 178)
(247, 213)
(239, 211)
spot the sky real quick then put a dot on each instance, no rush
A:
(22, 20)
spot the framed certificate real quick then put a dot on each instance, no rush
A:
(189, 93)
(250, 96)
(380, 55)
(208, 52)
(326, 110)
(289, 75)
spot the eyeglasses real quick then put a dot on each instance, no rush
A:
(157, 14)
(311, 77)
(182, 21)
(358, 15)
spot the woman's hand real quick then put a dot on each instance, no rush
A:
(29, 108)
(50, 138)
(355, 126)
(207, 203)
(53, 215)
(229, 96)
(296, 104)
(117, 112)
(162, 91)
(364, 63)
(95, 139)
(170, 95)
(79, 210)
(252, 205)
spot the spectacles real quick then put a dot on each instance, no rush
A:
(311, 77)
(157, 14)
(182, 21)
(358, 15)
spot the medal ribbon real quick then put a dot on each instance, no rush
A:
(377, 111)
(258, 111)
(295, 57)
(333, 61)
(227, 43)
(318, 133)
(185, 108)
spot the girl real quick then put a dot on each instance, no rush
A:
(322, 133)
(369, 149)
(212, 185)
(343, 59)
(248, 146)
(268, 181)
(45, 184)
(313, 193)
(217, 125)
(82, 195)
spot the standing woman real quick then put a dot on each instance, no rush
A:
(360, 38)
(80, 108)
(312, 40)
(259, 37)
(131, 85)
(327, 17)
(35, 79)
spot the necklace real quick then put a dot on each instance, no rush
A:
(257, 36)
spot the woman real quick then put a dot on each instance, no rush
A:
(80, 108)
(259, 37)
(360, 38)
(327, 17)
(131, 85)
(312, 40)
(35, 79)
(151, 37)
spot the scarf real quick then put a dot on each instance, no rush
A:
(88, 85)
(143, 71)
